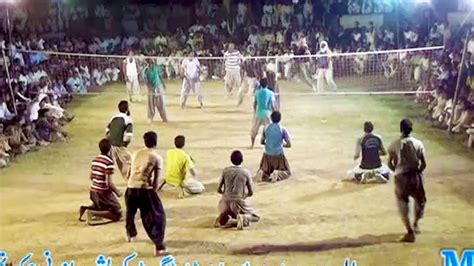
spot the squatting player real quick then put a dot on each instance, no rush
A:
(232, 61)
(191, 69)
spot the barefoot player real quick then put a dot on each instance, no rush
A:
(232, 61)
(264, 104)
(325, 68)
(131, 71)
(274, 166)
(141, 194)
(191, 69)
(103, 191)
(156, 91)
(120, 132)
(407, 159)
(235, 186)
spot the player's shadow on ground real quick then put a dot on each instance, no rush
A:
(320, 246)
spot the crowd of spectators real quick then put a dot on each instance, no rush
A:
(43, 82)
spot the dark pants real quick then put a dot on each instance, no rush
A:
(410, 184)
(105, 205)
(151, 211)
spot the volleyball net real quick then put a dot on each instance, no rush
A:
(378, 72)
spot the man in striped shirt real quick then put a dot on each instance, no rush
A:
(253, 71)
(232, 61)
(104, 202)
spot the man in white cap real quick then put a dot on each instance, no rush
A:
(324, 67)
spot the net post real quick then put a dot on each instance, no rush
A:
(458, 86)
(7, 72)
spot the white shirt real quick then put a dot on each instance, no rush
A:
(132, 70)
(191, 67)
(409, 161)
(4, 112)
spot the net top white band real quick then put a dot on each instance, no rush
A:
(283, 57)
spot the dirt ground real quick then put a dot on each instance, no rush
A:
(311, 219)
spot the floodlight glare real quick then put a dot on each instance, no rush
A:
(424, 1)
(9, 1)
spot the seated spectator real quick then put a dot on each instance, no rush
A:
(4, 150)
(32, 137)
(98, 78)
(55, 111)
(370, 169)
(76, 84)
(49, 131)
(178, 167)
(465, 118)
(235, 186)
(60, 95)
(16, 138)
(5, 114)
(438, 105)
(112, 72)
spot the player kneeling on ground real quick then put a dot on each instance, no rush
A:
(274, 166)
(370, 169)
(102, 189)
(178, 165)
(234, 181)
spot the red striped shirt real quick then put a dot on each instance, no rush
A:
(102, 167)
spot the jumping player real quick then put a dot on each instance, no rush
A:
(191, 69)
(232, 61)
(407, 159)
(325, 68)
